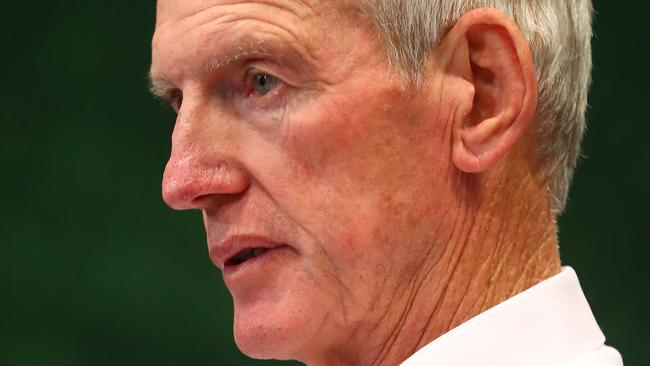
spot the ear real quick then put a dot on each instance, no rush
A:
(489, 51)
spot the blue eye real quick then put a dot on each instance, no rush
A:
(263, 84)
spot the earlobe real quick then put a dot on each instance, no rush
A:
(495, 58)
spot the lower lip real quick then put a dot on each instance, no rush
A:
(257, 264)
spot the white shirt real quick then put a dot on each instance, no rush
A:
(550, 324)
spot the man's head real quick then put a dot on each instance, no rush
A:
(339, 169)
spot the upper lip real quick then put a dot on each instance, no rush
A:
(221, 253)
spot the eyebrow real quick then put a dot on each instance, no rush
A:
(159, 87)
(245, 48)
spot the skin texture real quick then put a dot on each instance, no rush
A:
(405, 211)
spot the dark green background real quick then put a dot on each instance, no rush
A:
(95, 270)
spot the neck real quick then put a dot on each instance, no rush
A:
(499, 248)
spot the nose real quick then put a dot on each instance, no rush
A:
(203, 163)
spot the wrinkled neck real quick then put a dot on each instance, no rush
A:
(503, 245)
(503, 242)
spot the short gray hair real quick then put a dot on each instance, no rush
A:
(559, 33)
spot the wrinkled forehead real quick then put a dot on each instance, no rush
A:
(173, 10)
(189, 30)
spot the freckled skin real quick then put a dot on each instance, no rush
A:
(351, 169)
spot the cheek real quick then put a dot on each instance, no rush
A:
(345, 168)
(352, 164)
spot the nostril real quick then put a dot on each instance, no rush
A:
(195, 186)
(203, 201)
(175, 194)
(186, 195)
(179, 188)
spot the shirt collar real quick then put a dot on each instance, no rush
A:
(547, 324)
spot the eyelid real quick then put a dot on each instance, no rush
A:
(271, 68)
(253, 70)
(288, 75)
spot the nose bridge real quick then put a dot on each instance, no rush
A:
(204, 158)
(192, 127)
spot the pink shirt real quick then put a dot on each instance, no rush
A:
(550, 324)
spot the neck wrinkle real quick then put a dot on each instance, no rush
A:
(426, 297)
(499, 246)
(510, 246)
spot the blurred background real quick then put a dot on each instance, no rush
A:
(95, 270)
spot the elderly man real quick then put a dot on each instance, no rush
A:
(379, 179)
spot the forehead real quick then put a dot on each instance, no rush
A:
(174, 10)
(202, 31)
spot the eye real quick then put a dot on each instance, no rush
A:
(263, 84)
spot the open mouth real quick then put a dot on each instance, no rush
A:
(245, 255)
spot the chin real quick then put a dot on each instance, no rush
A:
(279, 312)
(272, 330)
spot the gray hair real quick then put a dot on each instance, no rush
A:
(559, 33)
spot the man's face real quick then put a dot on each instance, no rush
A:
(295, 135)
